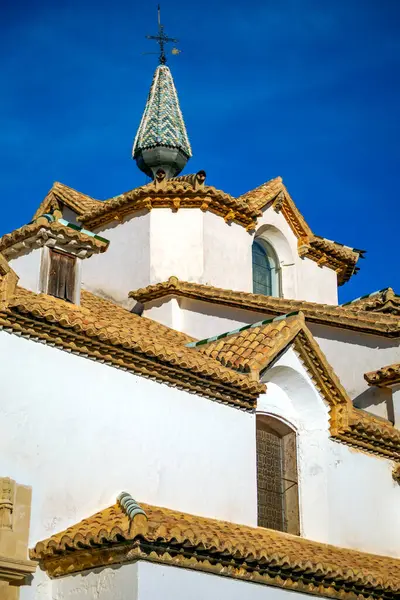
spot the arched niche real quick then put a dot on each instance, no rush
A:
(292, 398)
(277, 240)
(302, 404)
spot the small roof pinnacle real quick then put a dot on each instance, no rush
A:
(161, 142)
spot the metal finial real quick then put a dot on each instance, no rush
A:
(162, 39)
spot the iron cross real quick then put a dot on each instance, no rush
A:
(161, 39)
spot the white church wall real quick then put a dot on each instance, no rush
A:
(176, 245)
(311, 281)
(396, 404)
(199, 246)
(173, 583)
(144, 580)
(80, 432)
(352, 354)
(27, 267)
(364, 501)
(199, 319)
(119, 582)
(347, 497)
(227, 254)
(292, 397)
(38, 588)
(125, 265)
(314, 283)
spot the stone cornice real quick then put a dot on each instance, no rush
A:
(15, 570)
(343, 317)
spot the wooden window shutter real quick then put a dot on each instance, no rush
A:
(62, 276)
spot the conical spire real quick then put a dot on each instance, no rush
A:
(161, 141)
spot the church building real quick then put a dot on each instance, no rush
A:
(186, 411)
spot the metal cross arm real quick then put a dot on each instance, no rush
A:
(161, 39)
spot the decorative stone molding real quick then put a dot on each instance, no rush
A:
(15, 505)
(336, 316)
(7, 495)
(8, 282)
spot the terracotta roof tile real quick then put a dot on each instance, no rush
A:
(253, 347)
(138, 343)
(263, 194)
(43, 232)
(325, 252)
(272, 337)
(383, 301)
(385, 376)
(345, 317)
(251, 553)
(173, 193)
(63, 194)
(191, 192)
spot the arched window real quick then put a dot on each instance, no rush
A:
(277, 485)
(266, 271)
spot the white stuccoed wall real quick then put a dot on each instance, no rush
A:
(227, 255)
(126, 263)
(176, 244)
(396, 404)
(196, 318)
(352, 354)
(149, 247)
(79, 432)
(172, 583)
(309, 282)
(27, 267)
(110, 583)
(149, 581)
(347, 497)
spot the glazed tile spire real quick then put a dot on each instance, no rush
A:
(161, 141)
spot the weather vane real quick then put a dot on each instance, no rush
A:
(162, 39)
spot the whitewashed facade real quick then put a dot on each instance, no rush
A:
(78, 432)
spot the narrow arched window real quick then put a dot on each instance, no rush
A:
(266, 271)
(277, 483)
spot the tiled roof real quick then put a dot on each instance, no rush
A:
(178, 193)
(263, 194)
(107, 332)
(62, 194)
(325, 252)
(51, 233)
(162, 123)
(253, 554)
(385, 376)
(103, 331)
(174, 193)
(335, 316)
(253, 348)
(384, 301)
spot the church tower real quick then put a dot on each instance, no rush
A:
(179, 226)
(161, 143)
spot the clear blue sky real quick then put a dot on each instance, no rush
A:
(305, 89)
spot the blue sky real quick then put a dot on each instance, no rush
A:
(305, 89)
